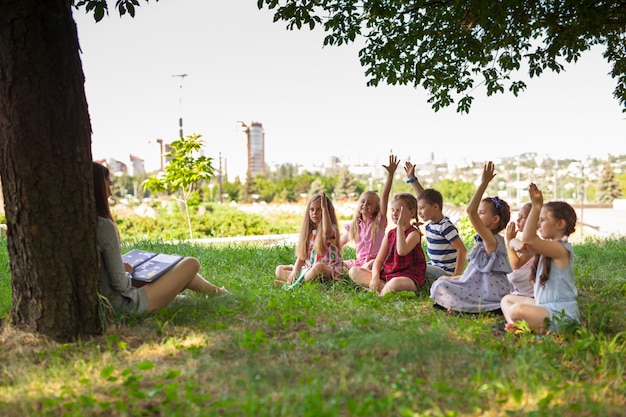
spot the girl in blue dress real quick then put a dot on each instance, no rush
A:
(484, 281)
(554, 289)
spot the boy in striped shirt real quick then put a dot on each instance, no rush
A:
(446, 250)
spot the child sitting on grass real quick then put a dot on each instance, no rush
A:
(400, 264)
(446, 250)
(318, 251)
(484, 282)
(554, 284)
(367, 228)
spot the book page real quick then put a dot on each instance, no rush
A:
(137, 256)
(155, 267)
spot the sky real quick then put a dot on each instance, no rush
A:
(312, 100)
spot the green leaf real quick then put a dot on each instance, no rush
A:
(145, 365)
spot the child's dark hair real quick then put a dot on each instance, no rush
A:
(431, 196)
(560, 210)
(500, 208)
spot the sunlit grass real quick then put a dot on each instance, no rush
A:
(324, 350)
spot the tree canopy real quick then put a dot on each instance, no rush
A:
(451, 48)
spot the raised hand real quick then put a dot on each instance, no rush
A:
(536, 196)
(393, 164)
(488, 172)
(324, 202)
(402, 220)
(409, 168)
(511, 231)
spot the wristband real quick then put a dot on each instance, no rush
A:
(411, 180)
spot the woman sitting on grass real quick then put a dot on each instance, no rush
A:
(115, 280)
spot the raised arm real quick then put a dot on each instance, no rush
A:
(529, 235)
(391, 170)
(549, 248)
(345, 237)
(412, 179)
(327, 225)
(472, 209)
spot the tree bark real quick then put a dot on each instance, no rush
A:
(45, 167)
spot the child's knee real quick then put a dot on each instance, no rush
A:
(352, 272)
(318, 269)
(516, 311)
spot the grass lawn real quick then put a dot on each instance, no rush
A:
(323, 350)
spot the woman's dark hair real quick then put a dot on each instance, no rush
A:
(560, 210)
(101, 180)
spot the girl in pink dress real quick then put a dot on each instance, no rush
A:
(367, 228)
(318, 252)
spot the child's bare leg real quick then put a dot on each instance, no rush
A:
(398, 284)
(533, 314)
(509, 300)
(361, 276)
(283, 272)
(318, 269)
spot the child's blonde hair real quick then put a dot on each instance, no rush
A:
(354, 224)
(411, 202)
(302, 248)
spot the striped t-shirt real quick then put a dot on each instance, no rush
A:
(438, 237)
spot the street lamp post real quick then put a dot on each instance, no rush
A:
(180, 103)
(220, 179)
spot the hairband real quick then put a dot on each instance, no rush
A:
(497, 202)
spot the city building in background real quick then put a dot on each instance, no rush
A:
(137, 164)
(254, 138)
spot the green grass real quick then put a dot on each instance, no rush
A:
(323, 350)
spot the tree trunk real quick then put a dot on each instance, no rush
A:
(45, 167)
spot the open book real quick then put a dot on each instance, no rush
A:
(148, 266)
